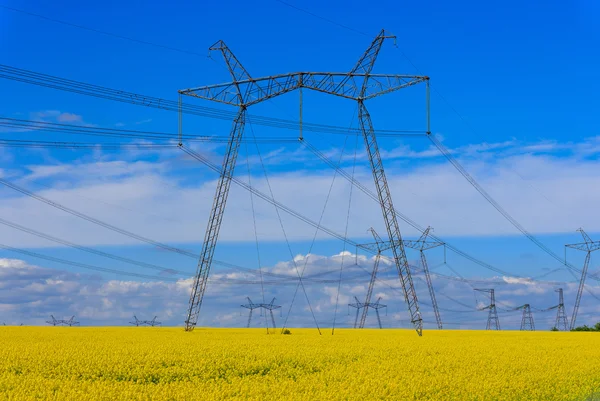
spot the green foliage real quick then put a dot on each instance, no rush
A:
(554, 328)
(286, 331)
(585, 327)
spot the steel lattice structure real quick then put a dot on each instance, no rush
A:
(588, 246)
(151, 323)
(527, 319)
(62, 322)
(493, 320)
(367, 304)
(267, 307)
(359, 84)
(364, 306)
(421, 245)
(562, 323)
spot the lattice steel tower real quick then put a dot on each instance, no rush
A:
(373, 305)
(422, 245)
(588, 246)
(359, 85)
(493, 320)
(251, 306)
(562, 322)
(267, 307)
(527, 319)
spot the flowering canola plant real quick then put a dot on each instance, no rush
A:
(110, 363)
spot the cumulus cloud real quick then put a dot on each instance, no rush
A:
(30, 293)
(157, 197)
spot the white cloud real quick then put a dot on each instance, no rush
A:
(69, 118)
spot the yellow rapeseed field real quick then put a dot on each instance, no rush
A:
(170, 364)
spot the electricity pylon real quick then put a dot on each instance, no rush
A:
(151, 323)
(270, 307)
(267, 307)
(359, 85)
(588, 246)
(251, 306)
(493, 314)
(367, 304)
(561, 316)
(62, 322)
(360, 305)
(527, 319)
(422, 245)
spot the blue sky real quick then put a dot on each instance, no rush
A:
(513, 98)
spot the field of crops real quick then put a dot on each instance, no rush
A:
(170, 364)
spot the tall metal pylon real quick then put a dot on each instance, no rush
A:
(561, 316)
(527, 319)
(588, 246)
(360, 85)
(493, 320)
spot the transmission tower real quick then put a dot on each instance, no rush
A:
(493, 320)
(527, 319)
(267, 307)
(270, 307)
(359, 85)
(367, 304)
(151, 323)
(422, 245)
(561, 316)
(62, 322)
(251, 306)
(588, 246)
(361, 305)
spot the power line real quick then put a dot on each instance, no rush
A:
(83, 265)
(68, 85)
(21, 125)
(91, 250)
(144, 42)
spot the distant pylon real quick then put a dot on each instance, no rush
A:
(62, 322)
(267, 307)
(562, 322)
(527, 319)
(251, 306)
(270, 307)
(151, 323)
(360, 305)
(493, 321)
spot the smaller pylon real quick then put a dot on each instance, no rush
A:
(562, 323)
(359, 305)
(62, 322)
(270, 307)
(527, 320)
(251, 306)
(493, 321)
(267, 307)
(151, 323)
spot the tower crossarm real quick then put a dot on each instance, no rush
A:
(585, 246)
(346, 85)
